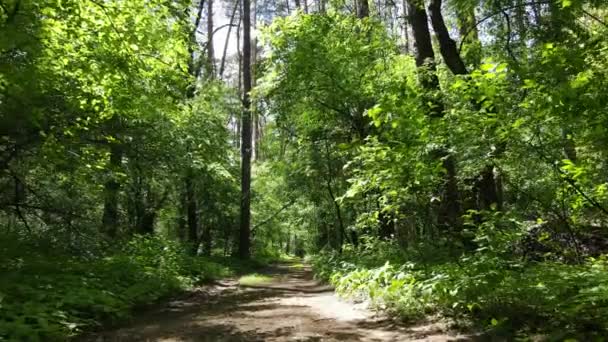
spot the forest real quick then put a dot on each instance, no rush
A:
(438, 160)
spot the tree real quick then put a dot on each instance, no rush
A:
(246, 143)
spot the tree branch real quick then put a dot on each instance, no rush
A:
(266, 221)
(462, 39)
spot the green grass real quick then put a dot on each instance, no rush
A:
(255, 279)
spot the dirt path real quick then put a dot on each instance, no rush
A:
(291, 307)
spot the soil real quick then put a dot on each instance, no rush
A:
(291, 307)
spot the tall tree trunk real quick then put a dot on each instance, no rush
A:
(190, 194)
(254, 112)
(210, 47)
(245, 228)
(240, 73)
(447, 45)
(425, 60)
(112, 187)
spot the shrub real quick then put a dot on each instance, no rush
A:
(50, 297)
(493, 292)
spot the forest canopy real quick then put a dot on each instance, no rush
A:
(433, 157)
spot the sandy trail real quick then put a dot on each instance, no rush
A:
(293, 307)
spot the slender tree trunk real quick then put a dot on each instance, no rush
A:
(192, 214)
(190, 195)
(183, 217)
(254, 112)
(298, 6)
(206, 239)
(240, 73)
(245, 229)
(210, 47)
(223, 62)
(112, 188)
(341, 230)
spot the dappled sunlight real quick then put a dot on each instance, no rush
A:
(243, 313)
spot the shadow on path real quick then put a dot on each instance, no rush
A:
(291, 307)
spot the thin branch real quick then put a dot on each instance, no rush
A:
(508, 43)
(289, 204)
(479, 22)
(216, 29)
(596, 18)
(223, 62)
(569, 179)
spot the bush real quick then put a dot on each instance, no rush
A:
(493, 292)
(50, 297)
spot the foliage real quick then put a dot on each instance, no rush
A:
(46, 296)
(475, 191)
(502, 296)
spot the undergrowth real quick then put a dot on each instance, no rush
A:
(48, 295)
(497, 294)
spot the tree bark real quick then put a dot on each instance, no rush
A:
(447, 45)
(256, 130)
(245, 229)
